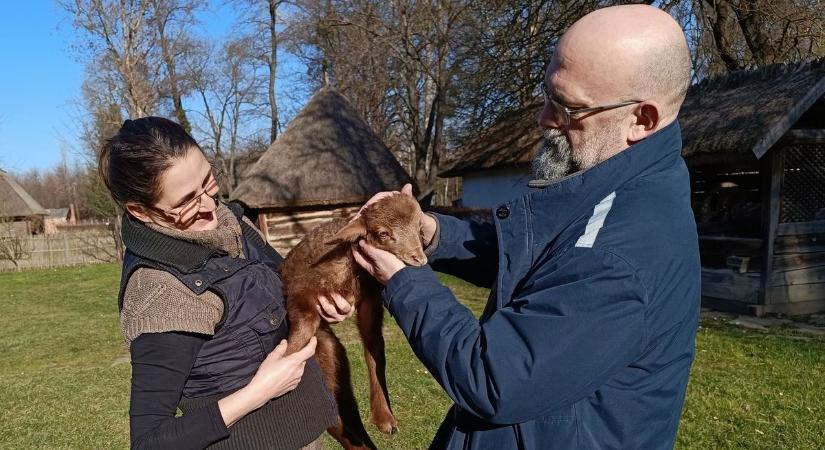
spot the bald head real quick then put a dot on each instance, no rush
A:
(629, 52)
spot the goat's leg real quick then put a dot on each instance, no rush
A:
(370, 318)
(303, 322)
(332, 357)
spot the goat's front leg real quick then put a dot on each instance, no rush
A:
(370, 318)
(303, 322)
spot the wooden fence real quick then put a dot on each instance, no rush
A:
(65, 249)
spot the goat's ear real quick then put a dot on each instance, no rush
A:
(349, 233)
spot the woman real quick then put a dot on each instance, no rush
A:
(201, 307)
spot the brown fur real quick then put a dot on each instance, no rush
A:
(322, 264)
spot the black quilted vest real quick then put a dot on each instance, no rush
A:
(253, 322)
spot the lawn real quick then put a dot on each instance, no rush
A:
(64, 381)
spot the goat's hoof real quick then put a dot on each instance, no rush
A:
(387, 427)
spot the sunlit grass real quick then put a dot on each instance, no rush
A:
(64, 383)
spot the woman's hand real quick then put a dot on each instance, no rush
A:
(277, 375)
(334, 309)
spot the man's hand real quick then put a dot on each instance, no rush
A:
(334, 309)
(428, 224)
(379, 263)
(406, 190)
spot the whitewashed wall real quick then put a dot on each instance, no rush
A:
(489, 188)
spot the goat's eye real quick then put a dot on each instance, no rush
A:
(383, 235)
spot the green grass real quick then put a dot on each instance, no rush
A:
(63, 382)
(59, 338)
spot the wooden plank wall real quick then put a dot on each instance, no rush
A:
(727, 287)
(715, 251)
(284, 229)
(798, 275)
(728, 284)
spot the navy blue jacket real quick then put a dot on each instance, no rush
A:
(588, 335)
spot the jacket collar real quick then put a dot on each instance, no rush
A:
(155, 246)
(638, 159)
(552, 207)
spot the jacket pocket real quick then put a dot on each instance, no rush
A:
(269, 328)
(555, 430)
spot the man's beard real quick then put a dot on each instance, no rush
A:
(557, 159)
(554, 160)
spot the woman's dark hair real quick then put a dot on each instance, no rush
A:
(133, 160)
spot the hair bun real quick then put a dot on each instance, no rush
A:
(128, 125)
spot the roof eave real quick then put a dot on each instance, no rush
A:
(465, 170)
(786, 122)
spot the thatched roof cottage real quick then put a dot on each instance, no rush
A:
(326, 164)
(755, 144)
(19, 212)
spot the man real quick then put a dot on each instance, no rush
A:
(588, 335)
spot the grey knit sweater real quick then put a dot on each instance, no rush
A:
(155, 301)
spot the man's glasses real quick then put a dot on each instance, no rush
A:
(184, 214)
(565, 114)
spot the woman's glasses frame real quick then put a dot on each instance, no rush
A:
(183, 214)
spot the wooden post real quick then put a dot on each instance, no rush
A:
(49, 250)
(66, 248)
(771, 168)
(262, 225)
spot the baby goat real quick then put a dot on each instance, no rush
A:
(322, 264)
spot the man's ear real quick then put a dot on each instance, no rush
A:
(646, 120)
(137, 212)
(349, 233)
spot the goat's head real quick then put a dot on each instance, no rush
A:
(391, 224)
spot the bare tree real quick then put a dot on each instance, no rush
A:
(262, 20)
(728, 35)
(103, 118)
(427, 74)
(15, 243)
(395, 61)
(226, 84)
(172, 21)
(119, 40)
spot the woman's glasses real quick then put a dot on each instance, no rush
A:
(186, 213)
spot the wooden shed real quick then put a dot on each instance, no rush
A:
(755, 145)
(20, 214)
(326, 164)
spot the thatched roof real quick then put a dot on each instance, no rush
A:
(326, 156)
(245, 162)
(15, 201)
(509, 142)
(741, 113)
(748, 111)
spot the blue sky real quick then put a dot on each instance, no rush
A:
(39, 85)
(41, 76)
